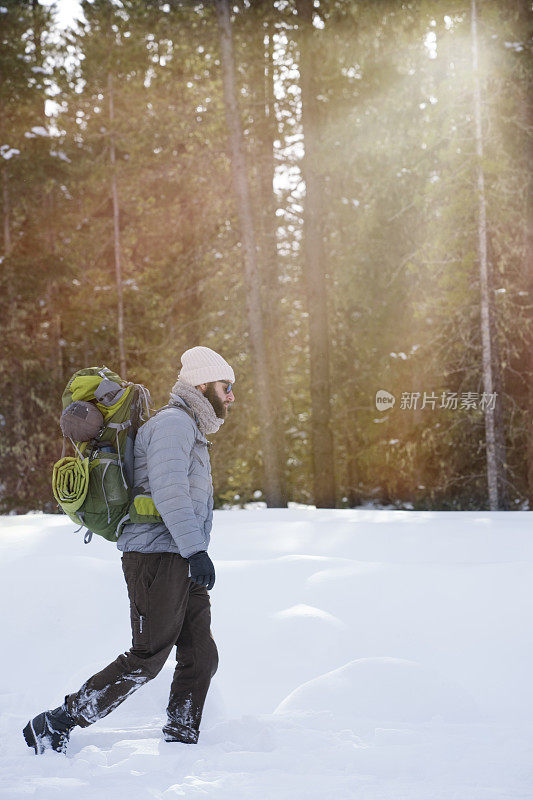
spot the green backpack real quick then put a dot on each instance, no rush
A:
(94, 486)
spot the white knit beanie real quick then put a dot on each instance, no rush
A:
(203, 365)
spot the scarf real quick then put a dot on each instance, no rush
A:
(208, 422)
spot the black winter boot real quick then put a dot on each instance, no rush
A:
(49, 731)
(175, 732)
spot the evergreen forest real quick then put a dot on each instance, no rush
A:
(335, 195)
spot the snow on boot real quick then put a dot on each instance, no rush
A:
(175, 732)
(49, 731)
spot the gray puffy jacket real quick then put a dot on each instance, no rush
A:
(172, 465)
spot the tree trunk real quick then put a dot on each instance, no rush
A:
(353, 493)
(322, 437)
(272, 487)
(499, 418)
(53, 302)
(523, 27)
(266, 133)
(528, 281)
(5, 202)
(116, 233)
(486, 299)
(528, 261)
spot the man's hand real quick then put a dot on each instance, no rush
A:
(202, 569)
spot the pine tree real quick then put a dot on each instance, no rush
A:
(271, 480)
(30, 168)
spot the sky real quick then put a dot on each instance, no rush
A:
(67, 11)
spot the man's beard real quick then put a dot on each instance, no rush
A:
(218, 404)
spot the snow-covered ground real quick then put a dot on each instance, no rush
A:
(363, 654)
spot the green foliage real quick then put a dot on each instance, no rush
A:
(396, 162)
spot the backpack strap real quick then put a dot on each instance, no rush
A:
(120, 426)
(142, 396)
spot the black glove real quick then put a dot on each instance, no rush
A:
(202, 569)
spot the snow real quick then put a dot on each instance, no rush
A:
(8, 152)
(37, 130)
(370, 654)
(60, 154)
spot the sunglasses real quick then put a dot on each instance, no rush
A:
(227, 388)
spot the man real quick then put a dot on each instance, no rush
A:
(166, 566)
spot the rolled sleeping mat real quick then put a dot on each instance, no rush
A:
(70, 483)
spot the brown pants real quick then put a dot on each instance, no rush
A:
(166, 609)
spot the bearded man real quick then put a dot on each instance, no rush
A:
(166, 566)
